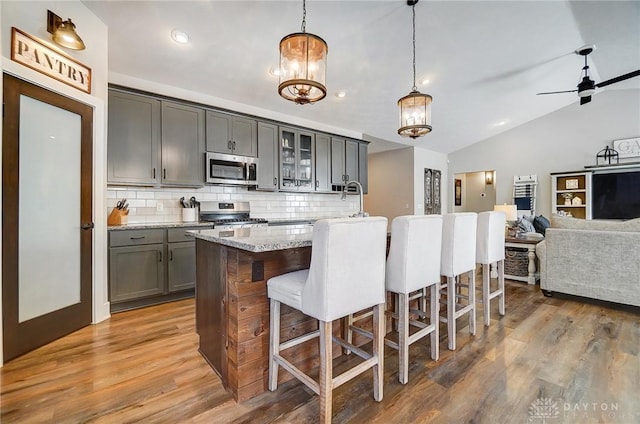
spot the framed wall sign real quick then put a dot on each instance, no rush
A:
(458, 192)
(35, 54)
(628, 147)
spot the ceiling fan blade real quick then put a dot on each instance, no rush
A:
(618, 79)
(585, 100)
(557, 92)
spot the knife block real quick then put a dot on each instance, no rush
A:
(118, 217)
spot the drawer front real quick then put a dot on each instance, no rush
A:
(175, 235)
(135, 237)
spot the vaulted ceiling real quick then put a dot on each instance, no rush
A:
(485, 60)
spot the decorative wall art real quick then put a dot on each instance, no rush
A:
(432, 198)
(458, 192)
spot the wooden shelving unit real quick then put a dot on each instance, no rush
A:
(575, 185)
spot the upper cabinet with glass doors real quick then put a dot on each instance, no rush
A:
(297, 159)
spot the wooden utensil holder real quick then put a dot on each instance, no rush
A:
(118, 217)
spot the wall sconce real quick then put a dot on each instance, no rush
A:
(488, 177)
(64, 32)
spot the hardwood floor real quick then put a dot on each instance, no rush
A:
(554, 360)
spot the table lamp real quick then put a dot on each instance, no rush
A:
(512, 217)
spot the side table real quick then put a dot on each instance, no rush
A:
(530, 244)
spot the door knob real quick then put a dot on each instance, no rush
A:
(88, 226)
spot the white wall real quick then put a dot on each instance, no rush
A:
(30, 17)
(391, 184)
(396, 181)
(565, 140)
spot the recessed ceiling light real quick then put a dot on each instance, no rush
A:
(179, 36)
(340, 94)
(425, 81)
(274, 71)
(500, 123)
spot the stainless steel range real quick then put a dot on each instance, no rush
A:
(229, 215)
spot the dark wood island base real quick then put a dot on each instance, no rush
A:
(232, 314)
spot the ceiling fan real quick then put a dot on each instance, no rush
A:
(587, 86)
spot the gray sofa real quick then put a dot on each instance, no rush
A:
(595, 259)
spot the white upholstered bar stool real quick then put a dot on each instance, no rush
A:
(346, 275)
(490, 250)
(459, 258)
(413, 265)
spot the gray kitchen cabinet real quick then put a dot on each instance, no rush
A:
(133, 156)
(337, 161)
(363, 166)
(150, 266)
(183, 136)
(231, 134)
(351, 160)
(297, 160)
(136, 264)
(344, 160)
(181, 268)
(323, 163)
(268, 157)
(153, 142)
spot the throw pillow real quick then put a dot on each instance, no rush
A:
(525, 225)
(540, 223)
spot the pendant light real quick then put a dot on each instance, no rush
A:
(415, 107)
(303, 65)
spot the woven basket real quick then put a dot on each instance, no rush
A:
(516, 261)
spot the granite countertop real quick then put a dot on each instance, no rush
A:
(260, 239)
(158, 225)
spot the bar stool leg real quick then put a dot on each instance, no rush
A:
(501, 286)
(435, 320)
(472, 302)
(378, 351)
(274, 343)
(486, 290)
(451, 313)
(403, 338)
(326, 371)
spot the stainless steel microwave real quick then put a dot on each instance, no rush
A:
(230, 169)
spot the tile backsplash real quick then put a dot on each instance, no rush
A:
(150, 204)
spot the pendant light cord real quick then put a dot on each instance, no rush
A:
(304, 16)
(413, 9)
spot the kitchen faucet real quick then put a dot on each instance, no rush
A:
(360, 213)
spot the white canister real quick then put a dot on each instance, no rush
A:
(189, 214)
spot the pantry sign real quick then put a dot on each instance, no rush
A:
(33, 53)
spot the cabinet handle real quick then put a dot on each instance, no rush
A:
(154, 173)
(275, 181)
(159, 256)
(164, 173)
(137, 238)
(234, 145)
(229, 145)
(170, 254)
(317, 183)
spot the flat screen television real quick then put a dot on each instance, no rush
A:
(615, 195)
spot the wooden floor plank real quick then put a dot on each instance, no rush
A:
(143, 366)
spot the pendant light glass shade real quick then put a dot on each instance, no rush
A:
(415, 114)
(303, 65)
(303, 68)
(415, 107)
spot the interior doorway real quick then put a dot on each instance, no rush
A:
(474, 191)
(47, 195)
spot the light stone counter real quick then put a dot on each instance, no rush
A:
(159, 225)
(260, 239)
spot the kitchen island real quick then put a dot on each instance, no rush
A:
(232, 308)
